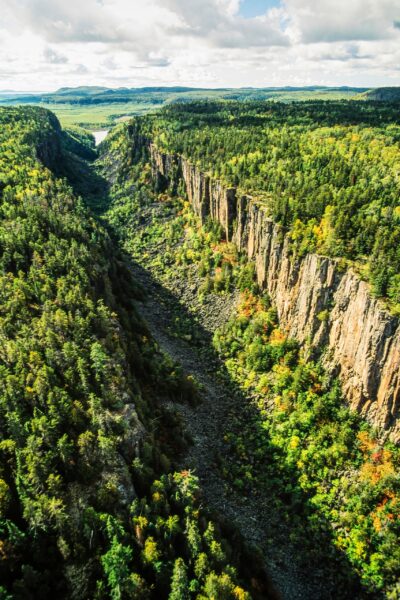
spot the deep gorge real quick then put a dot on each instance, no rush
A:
(211, 450)
(360, 339)
(290, 425)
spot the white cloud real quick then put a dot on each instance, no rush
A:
(343, 20)
(197, 42)
(217, 22)
(54, 57)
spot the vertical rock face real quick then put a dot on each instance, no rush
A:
(317, 302)
(48, 149)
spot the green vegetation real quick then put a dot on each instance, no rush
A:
(97, 116)
(328, 470)
(79, 142)
(87, 507)
(94, 95)
(90, 503)
(324, 472)
(326, 171)
(385, 94)
(96, 107)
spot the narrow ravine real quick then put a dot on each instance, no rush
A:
(205, 422)
(183, 326)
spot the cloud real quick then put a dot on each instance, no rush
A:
(158, 61)
(198, 42)
(137, 24)
(71, 21)
(341, 52)
(109, 63)
(81, 69)
(218, 23)
(53, 57)
(343, 20)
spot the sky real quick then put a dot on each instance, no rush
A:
(47, 44)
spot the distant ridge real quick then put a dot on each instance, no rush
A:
(160, 94)
(83, 90)
(384, 94)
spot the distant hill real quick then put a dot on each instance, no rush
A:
(84, 95)
(100, 107)
(384, 94)
(84, 90)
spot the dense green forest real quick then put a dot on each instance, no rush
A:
(327, 171)
(89, 504)
(384, 94)
(323, 470)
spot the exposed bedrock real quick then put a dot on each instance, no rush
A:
(317, 301)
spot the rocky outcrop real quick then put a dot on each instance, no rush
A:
(318, 303)
(47, 144)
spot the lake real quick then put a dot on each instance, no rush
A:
(99, 136)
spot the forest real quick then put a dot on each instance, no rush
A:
(98, 494)
(327, 171)
(324, 470)
(90, 505)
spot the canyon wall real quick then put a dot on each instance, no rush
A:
(318, 302)
(47, 143)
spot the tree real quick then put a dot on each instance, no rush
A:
(116, 567)
(179, 582)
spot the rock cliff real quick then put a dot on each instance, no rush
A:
(47, 143)
(317, 301)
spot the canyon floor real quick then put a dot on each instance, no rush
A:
(205, 424)
(294, 575)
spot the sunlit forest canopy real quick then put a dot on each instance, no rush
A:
(328, 171)
(89, 504)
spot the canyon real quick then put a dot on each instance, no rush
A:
(326, 307)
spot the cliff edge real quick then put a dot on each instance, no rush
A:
(318, 303)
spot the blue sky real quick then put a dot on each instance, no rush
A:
(255, 8)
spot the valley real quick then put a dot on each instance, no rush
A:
(183, 327)
(200, 300)
(91, 503)
(163, 235)
(204, 447)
